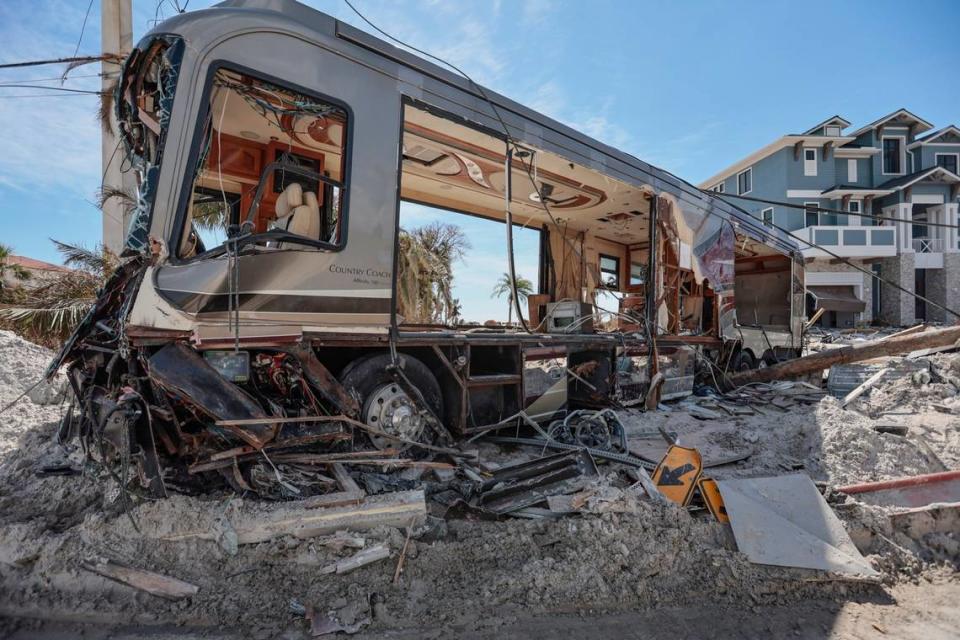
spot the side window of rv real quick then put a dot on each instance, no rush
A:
(271, 167)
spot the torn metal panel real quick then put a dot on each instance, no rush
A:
(526, 484)
(179, 368)
(324, 382)
(784, 521)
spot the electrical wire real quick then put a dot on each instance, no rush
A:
(40, 86)
(702, 191)
(53, 79)
(83, 27)
(35, 63)
(836, 211)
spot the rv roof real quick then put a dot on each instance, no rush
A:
(424, 81)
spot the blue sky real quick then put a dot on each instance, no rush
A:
(688, 86)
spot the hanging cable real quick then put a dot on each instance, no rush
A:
(40, 86)
(34, 63)
(83, 27)
(503, 125)
(793, 205)
(546, 208)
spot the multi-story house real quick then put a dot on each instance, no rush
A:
(896, 167)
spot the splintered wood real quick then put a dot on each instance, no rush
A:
(253, 525)
(153, 583)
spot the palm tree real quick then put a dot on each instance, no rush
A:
(52, 310)
(8, 268)
(425, 273)
(524, 288)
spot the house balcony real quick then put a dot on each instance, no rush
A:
(929, 253)
(848, 241)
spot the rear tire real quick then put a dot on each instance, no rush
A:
(741, 361)
(383, 402)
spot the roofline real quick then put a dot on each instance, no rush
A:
(846, 123)
(758, 155)
(934, 135)
(923, 175)
(879, 121)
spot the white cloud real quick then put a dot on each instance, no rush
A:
(536, 11)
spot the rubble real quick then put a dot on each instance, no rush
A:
(593, 538)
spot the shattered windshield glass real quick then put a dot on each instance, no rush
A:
(271, 168)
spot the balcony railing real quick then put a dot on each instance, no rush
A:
(849, 241)
(928, 245)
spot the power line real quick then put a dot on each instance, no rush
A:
(54, 79)
(709, 193)
(40, 86)
(35, 63)
(793, 205)
(83, 27)
(43, 95)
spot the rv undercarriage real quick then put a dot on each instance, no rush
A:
(163, 412)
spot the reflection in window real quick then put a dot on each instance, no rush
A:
(609, 272)
(273, 162)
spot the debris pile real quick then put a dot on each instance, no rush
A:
(603, 510)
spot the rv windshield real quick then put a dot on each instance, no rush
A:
(272, 164)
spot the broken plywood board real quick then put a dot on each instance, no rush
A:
(256, 523)
(784, 521)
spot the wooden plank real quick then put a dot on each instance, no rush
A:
(153, 583)
(854, 353)
(398, 509)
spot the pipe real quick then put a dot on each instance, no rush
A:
(897, 483)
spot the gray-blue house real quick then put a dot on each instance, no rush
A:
(897, 167)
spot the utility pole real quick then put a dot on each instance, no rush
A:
(116, 29)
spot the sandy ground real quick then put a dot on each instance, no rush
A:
(636, 570)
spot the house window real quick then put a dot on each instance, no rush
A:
(809, 162)
(853, 206)
(718, 188)
(609, 272)
(832, 130)
(948, 161)
(767, 216)
(892, 156)
(812, 214)
(745, 181)
(852, 170)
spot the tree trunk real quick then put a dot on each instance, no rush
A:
(895, 345)
(509, 310)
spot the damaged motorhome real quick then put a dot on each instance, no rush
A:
(253, 328)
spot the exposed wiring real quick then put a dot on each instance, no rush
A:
(653, 213)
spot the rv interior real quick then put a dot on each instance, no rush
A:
(272, 159)
(272, 162)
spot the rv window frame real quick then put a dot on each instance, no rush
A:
(193, 157)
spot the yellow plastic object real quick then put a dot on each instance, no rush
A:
(677, 474)
(713, 499)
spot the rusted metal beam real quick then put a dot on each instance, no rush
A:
(323, 381)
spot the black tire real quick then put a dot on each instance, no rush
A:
(365, 375)
(741, 361)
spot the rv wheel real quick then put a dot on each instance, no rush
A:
(741, 361)
(384, 403)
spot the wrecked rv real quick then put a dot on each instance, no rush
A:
(252, 329)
